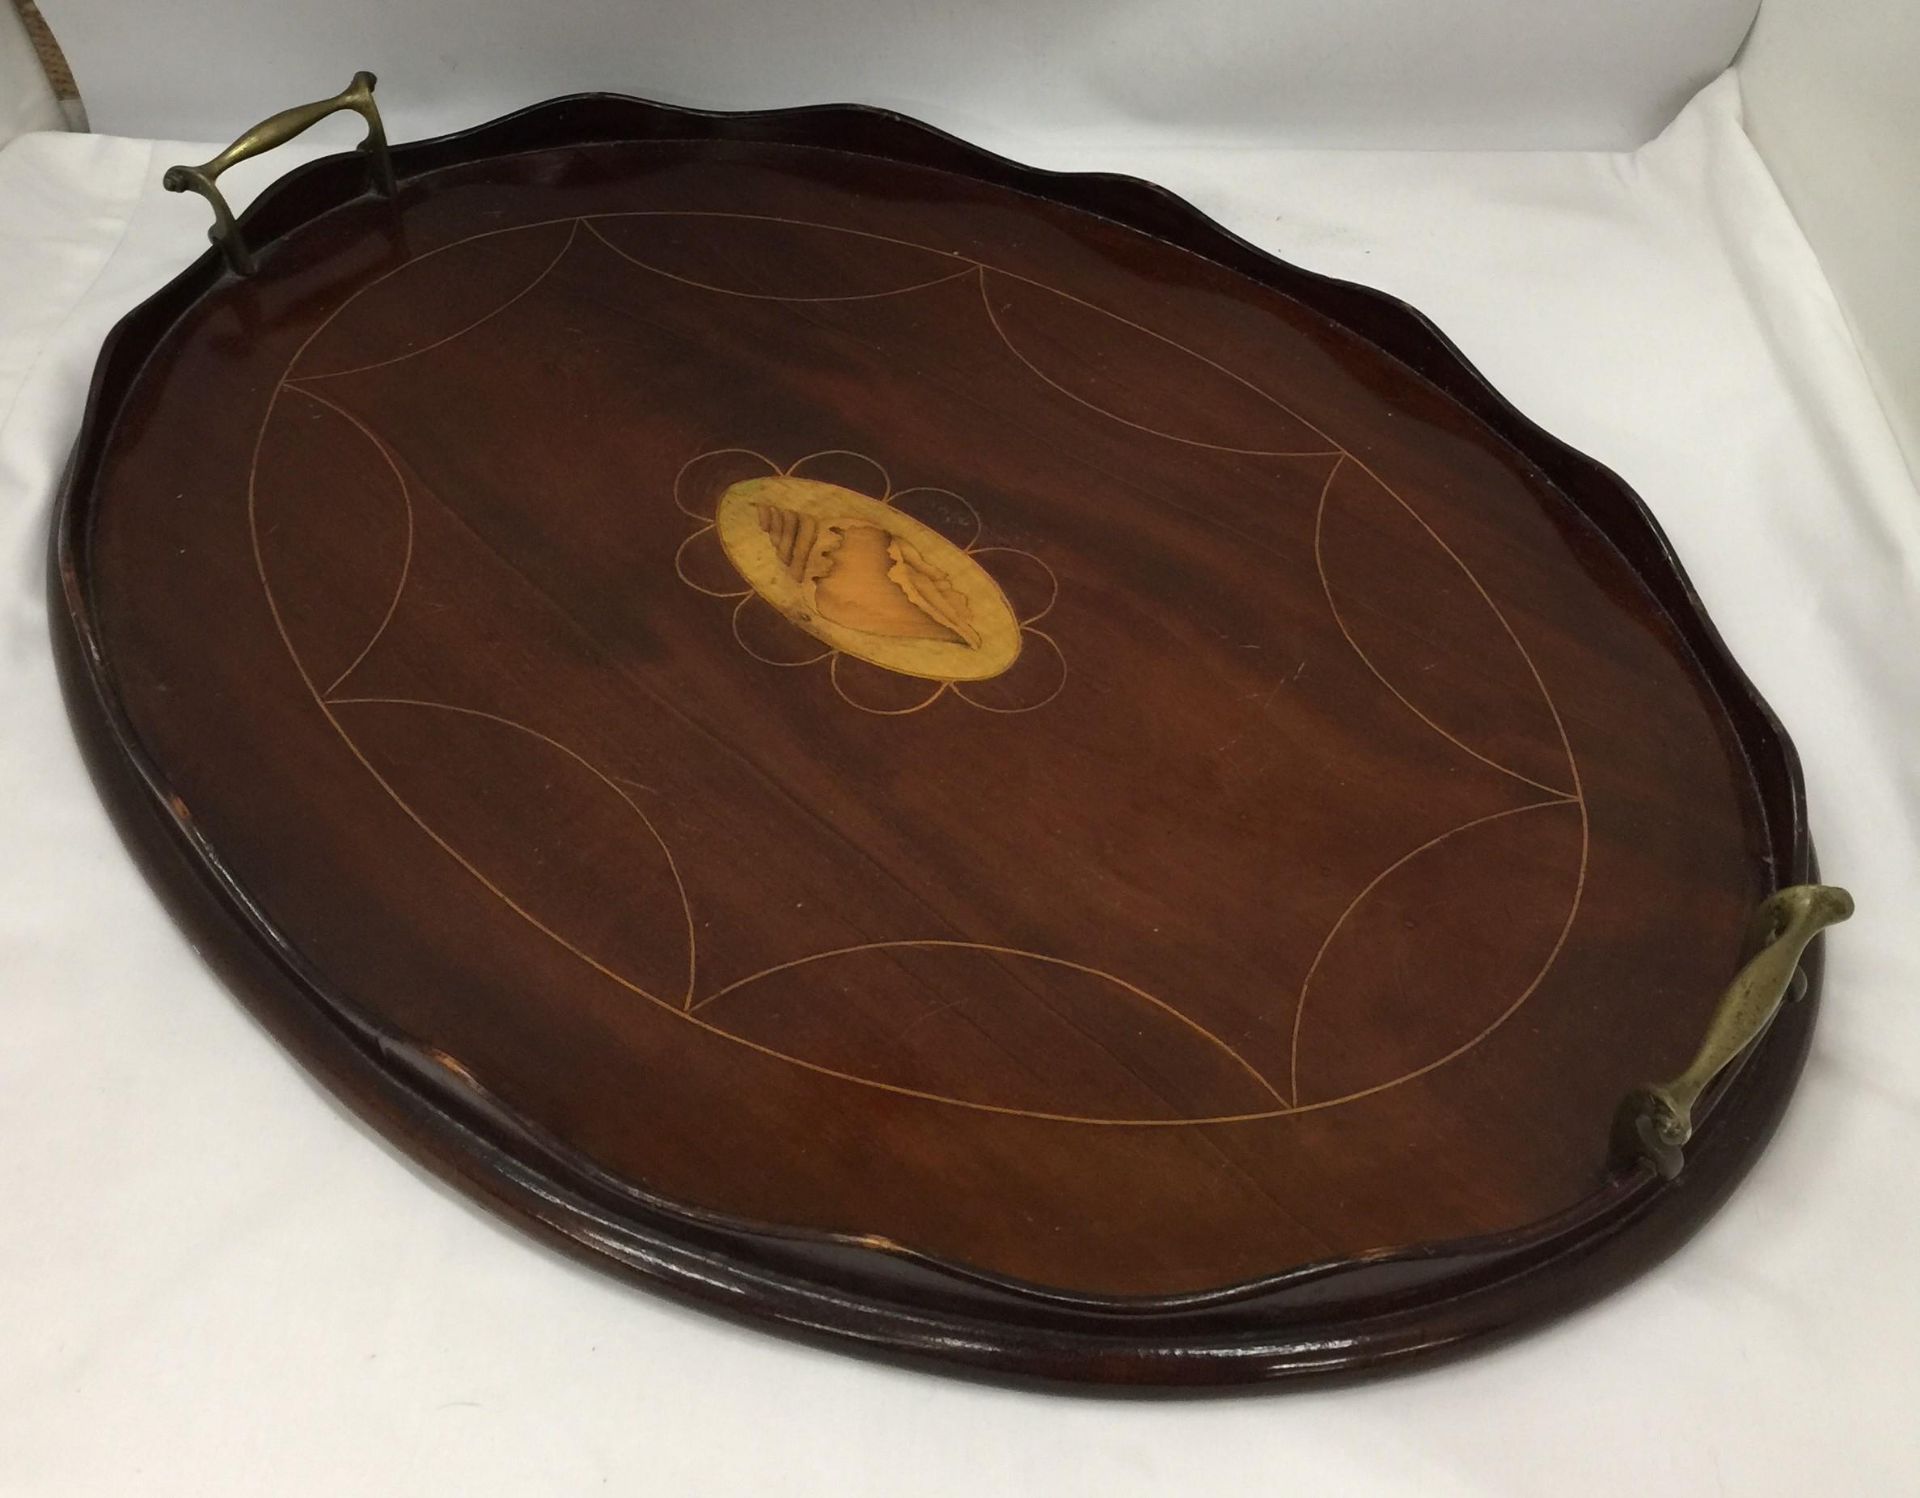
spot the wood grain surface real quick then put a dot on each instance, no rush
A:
(854, 700)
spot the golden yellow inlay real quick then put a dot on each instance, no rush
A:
(866, 579)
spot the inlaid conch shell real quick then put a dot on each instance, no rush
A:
(867, 579)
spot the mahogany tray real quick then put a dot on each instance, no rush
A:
(939, 755)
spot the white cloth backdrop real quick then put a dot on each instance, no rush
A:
(1477, 74)
(213, 1281)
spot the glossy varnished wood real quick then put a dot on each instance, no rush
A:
(935, 753)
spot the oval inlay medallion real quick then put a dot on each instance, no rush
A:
(868, 580)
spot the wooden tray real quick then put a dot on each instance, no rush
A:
(932, 753)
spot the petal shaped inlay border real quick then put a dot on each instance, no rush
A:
(689, 502)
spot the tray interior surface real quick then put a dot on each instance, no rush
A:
(852, 699)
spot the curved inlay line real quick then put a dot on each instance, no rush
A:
(940, 689)
(680, 567)
(764, 296)
(1333, 607)
(960, 688)
(885, 496)
(1526, 656)
(1306, 983)
(1017, 551)
(406, 558)
(706, 516)
(559, 255)
(964, 262)
(673, 869)
(685, 1008)
(936, 944)
(746, 601)
(1336, 450)
(986, 302)
(965, 503)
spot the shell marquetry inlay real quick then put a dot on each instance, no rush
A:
(868, 580)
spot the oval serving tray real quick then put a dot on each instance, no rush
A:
(928, 752)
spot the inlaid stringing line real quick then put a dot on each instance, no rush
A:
(967, 263)
(334, 374)
(1539, 682)
(940, 689)
(972, 547)
(684, 1009)
(1016, 551)
(986, 303)
(706, 516)
(680, 569)
(613, 785)
(764, 296)
(937, 944)
(746, 601)
(885, 496)
(406, 560)
(960, 687)
(1333, 608)
(1306, 983)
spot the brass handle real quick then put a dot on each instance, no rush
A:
(277, 130)
(1655, 1121)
